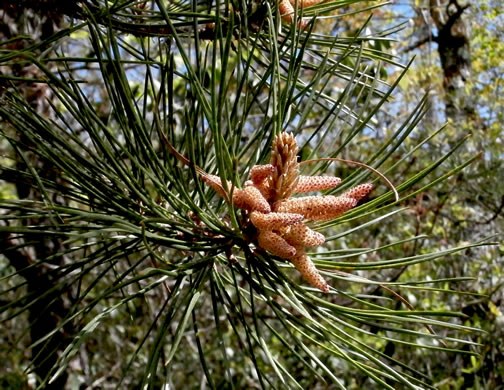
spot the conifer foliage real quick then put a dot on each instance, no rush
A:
(155, 106)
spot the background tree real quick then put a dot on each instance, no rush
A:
(25, 23)
(469, 205)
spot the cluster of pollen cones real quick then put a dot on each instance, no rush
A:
(278, 217)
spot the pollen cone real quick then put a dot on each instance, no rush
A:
(214, 182)
(250, 198)
(301, 235)
(274, 221)
(317, 183)
(259, 173)
(316, 208)
(283, 181)
(275, 244)
(307, 269)
(359, 192)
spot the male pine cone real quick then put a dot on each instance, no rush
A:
(279, 218)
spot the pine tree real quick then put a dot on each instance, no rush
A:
(159, 114)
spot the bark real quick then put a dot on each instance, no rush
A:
(49, 308)
(453, 39)
(39, 20)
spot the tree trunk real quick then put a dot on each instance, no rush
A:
(39, 20)
(453, 39)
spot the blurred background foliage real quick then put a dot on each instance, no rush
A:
(119, 269)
